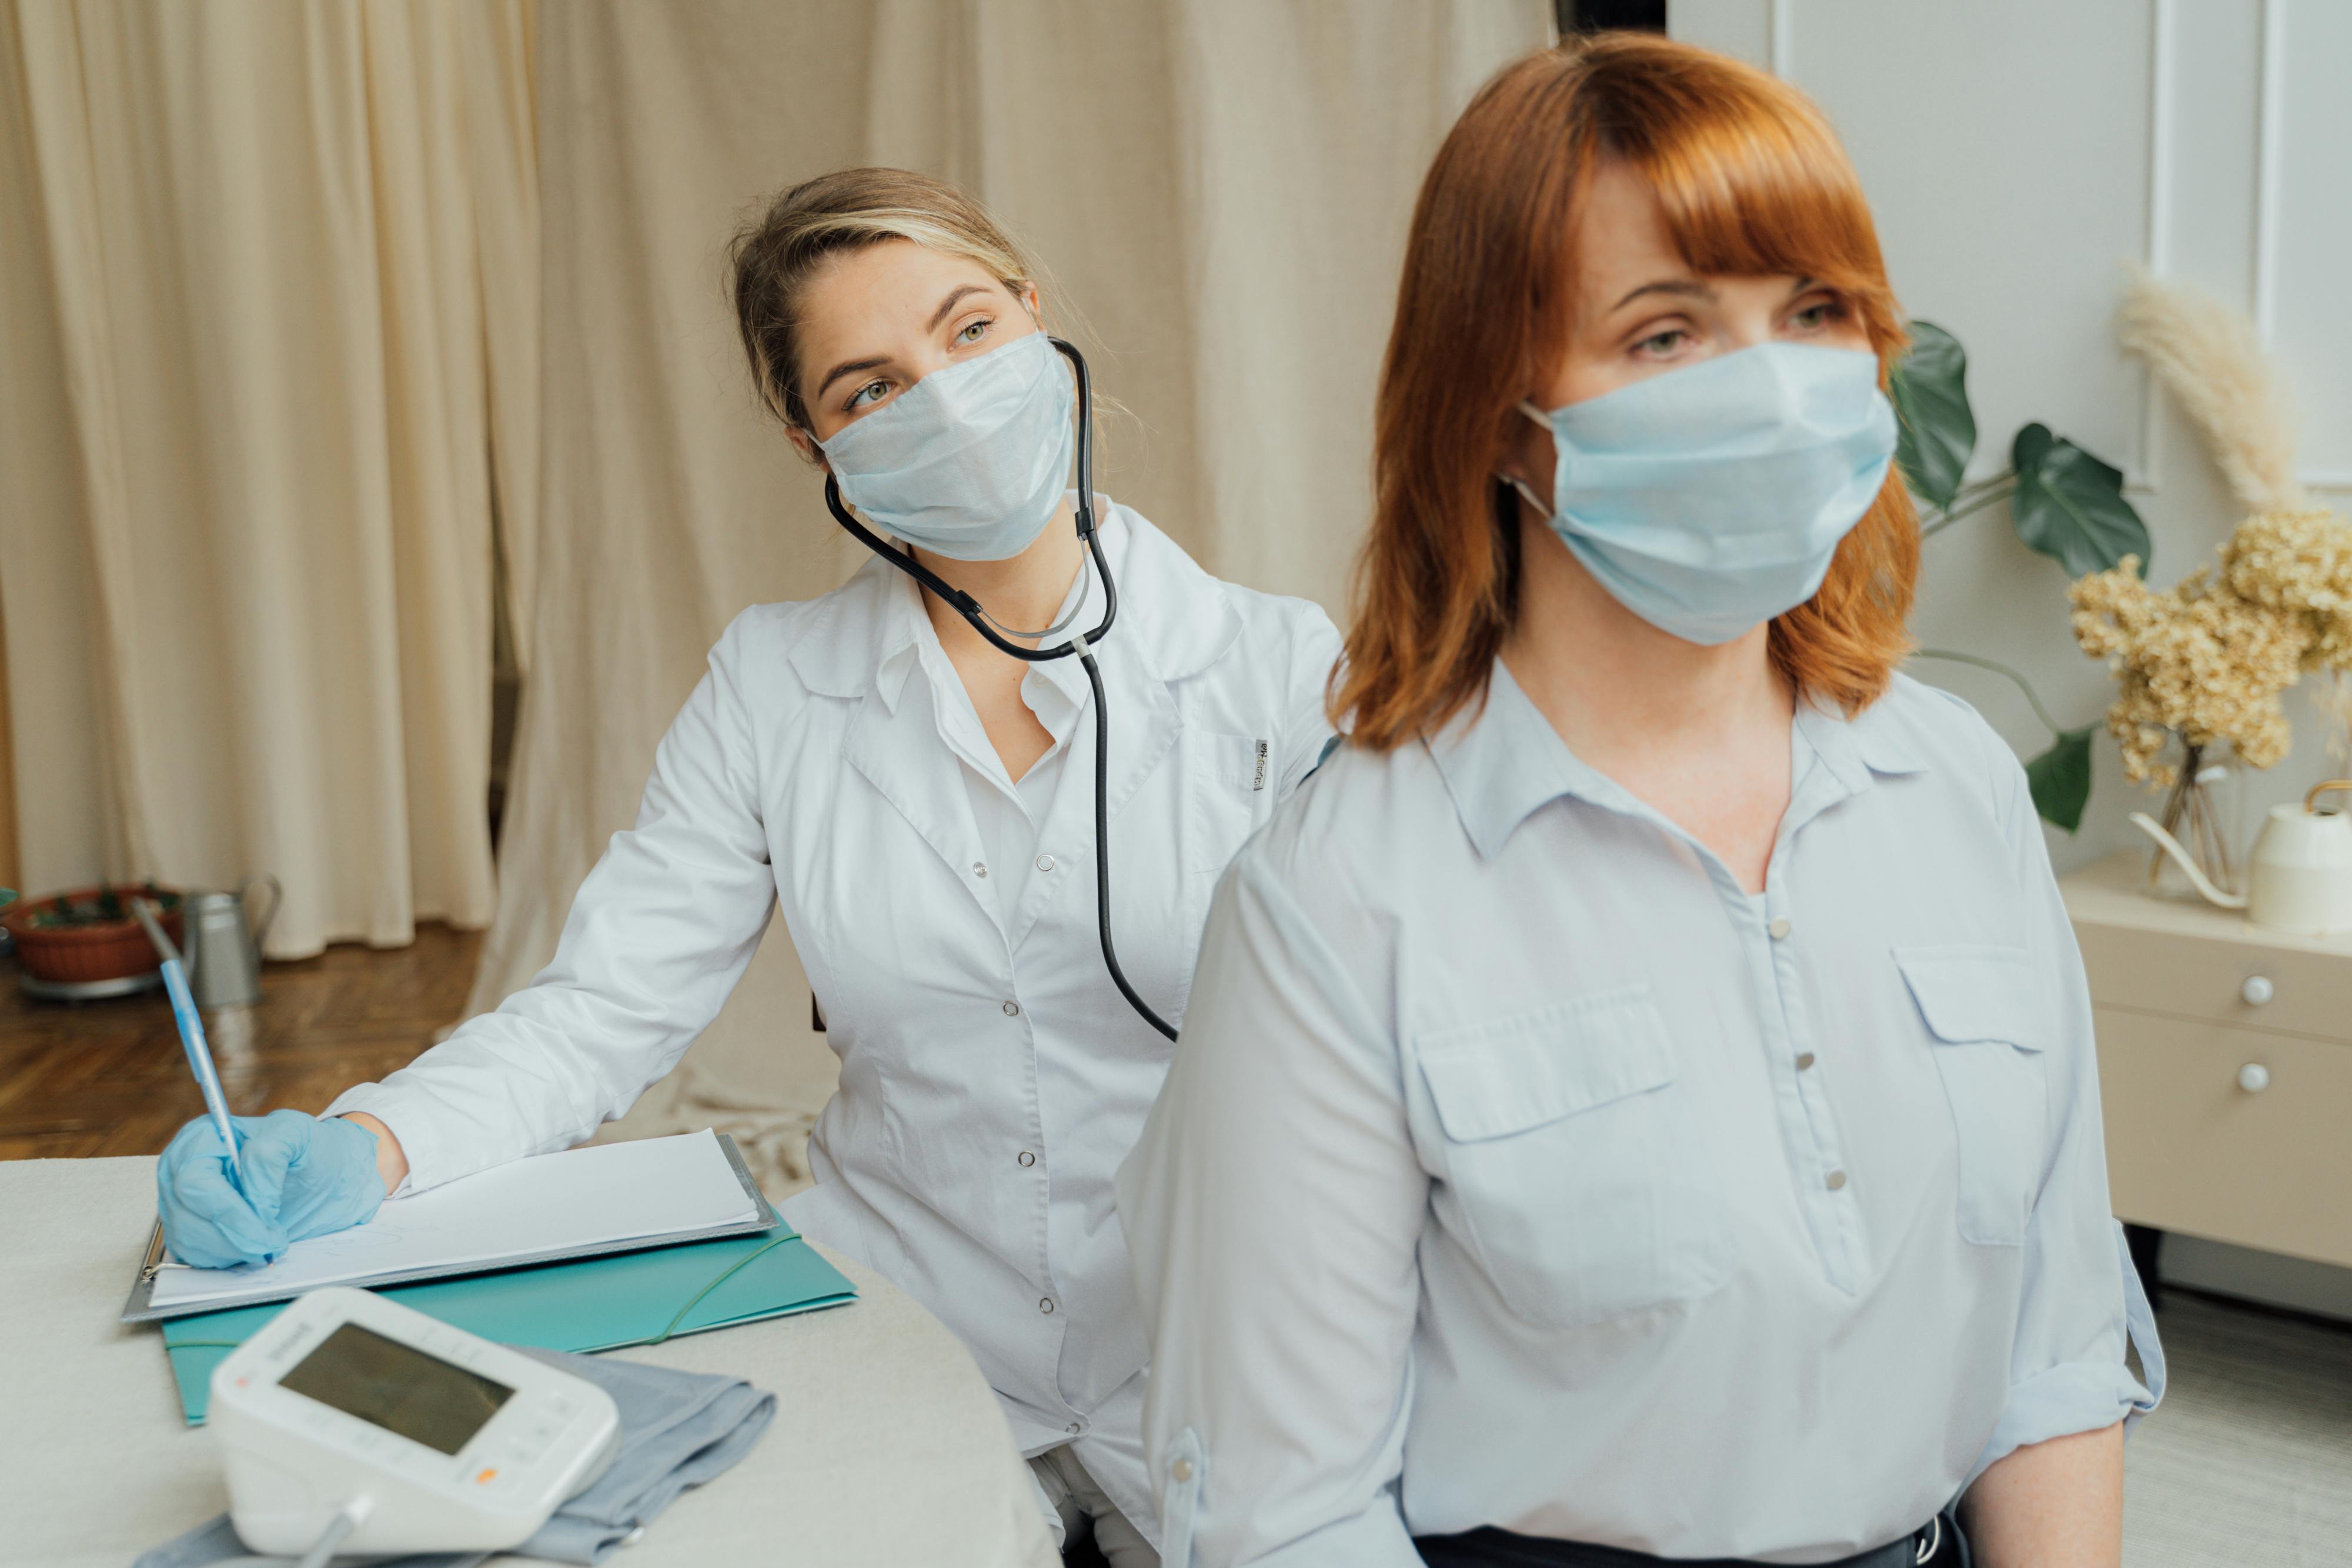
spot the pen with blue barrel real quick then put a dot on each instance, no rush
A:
(191, 1034)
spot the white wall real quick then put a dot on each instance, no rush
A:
(2017, 152)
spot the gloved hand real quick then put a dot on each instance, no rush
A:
(303, 1177)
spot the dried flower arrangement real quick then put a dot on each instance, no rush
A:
(2204, 664)
(2208, 661)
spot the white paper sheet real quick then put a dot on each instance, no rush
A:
(549, 1203)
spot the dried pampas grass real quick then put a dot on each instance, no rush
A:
(2208, 357)
(2206, 660)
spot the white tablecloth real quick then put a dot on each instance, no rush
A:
(888, 1447)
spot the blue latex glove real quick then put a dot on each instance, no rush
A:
(303, 1178)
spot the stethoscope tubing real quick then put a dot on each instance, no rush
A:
(1080, 644)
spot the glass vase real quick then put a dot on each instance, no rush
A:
(2203, 811)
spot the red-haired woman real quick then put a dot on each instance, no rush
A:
(1640, 1099)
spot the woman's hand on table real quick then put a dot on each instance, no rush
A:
(302, 1177)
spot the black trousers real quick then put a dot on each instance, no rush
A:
(1939, 1543)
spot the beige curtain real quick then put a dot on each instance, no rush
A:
(9, 876)
(1219, 189)
(268, 283)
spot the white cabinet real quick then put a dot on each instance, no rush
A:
(2225, 1066)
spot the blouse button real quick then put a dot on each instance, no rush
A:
(1804, 1060)
(1780, 930)
(1837, 1180)
(1182, 1469)
(1045, 1304)
(1044, 862)
(978, 869)
(1026, 1159)
(1012, 1009)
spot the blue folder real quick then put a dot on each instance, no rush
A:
(583, 1304)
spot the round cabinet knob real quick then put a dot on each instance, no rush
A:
(2254, 1078)
(2257, 991)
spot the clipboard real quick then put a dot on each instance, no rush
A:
(139, 1308)
(583, 1304)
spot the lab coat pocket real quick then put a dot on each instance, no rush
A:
(1977, 1002)
(1572, 1160)
(1229, 784)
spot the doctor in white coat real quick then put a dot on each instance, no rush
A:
(920, 806)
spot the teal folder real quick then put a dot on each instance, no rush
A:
(587, 1303)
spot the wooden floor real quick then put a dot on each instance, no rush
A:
(107, 1078)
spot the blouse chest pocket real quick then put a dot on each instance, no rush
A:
(1574, 1162)
(1978, 1003)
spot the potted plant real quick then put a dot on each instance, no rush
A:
(2064, 503)
(89, 933)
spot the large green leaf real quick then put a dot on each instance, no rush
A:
(2060, 778)
(1935, 430)
(2070, 505)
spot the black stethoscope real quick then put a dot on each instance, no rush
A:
(1080, 643)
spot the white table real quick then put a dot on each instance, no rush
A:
(888, 1447)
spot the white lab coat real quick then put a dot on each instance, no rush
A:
(992, 1076)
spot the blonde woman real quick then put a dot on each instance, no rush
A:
(921, 804)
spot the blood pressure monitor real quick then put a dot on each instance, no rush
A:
(439, 1441)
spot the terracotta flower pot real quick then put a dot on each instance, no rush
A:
(101, 950)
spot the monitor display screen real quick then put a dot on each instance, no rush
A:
(397, 1387)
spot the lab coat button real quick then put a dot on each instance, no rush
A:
(1026, 1159)
(1804, 1060)
(1837, 1180)
(978, 869)
(1012, 1009)
(1045, 1304)
(1182, 1469)
(1044, 862)
(1780, 930)
(1075, 1428)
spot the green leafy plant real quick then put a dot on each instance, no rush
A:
(2064, 503)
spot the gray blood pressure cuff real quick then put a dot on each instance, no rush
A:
(678, 1429)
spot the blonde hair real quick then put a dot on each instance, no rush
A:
(771, 260)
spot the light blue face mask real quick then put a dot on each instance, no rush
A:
(1710, 499)
(969, 462)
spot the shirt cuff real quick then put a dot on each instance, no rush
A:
(2084, 1395)
(428, 1165)
(1375, 1538)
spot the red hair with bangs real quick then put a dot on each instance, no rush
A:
(1752, 181)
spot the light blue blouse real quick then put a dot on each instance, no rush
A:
(1518, 1168)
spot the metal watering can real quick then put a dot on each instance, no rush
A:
(2301, 875)
(220, 952)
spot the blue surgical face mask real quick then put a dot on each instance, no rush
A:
(969, 462)
(1710, 499)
